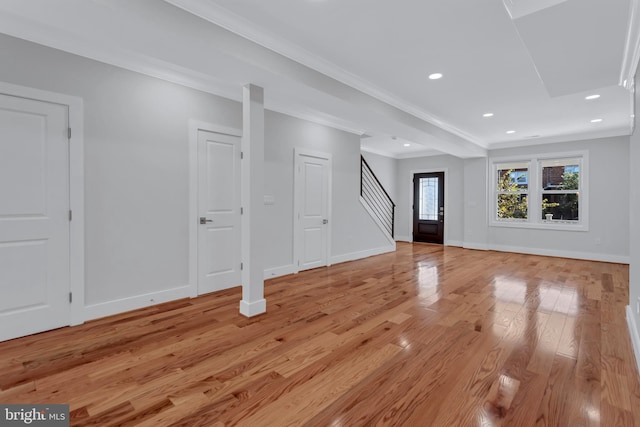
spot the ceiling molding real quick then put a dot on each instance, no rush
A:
(631, 55)
(411, 155)
(607, 133)
(238, 25)
(310, 117)
(17, 26)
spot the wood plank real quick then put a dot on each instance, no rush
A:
(428, 335)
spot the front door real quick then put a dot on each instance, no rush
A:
(428, 207)
(34, 217)
(218, 211)
(312, 183)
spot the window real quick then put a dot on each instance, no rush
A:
(428, 199)
(540, 192)
(512, 185)
(560, 189)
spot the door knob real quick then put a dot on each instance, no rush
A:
(204, 220)
(325, 221)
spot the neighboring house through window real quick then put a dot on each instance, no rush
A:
(540, 192)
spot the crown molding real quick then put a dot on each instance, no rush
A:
(244, 28)
(631, 55)
(606, 133)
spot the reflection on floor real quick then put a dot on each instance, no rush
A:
(426, 336)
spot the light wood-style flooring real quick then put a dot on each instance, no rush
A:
(426, 336)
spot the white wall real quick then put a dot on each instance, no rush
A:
(136, 174)
(136, 168)
(454, 191)
(476, 232)
(354, 233)
(608, 174)
(633, 314)
(386, 170)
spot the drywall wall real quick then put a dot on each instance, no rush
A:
(386, 170)
(353, 230)
(454, 191)
(608, 235)
(476, 232)
(136, 165)
(137, 174)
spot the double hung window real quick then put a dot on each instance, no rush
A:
(540, 192)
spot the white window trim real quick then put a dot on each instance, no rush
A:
(534, 193)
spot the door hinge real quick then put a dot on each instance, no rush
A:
(241, 210)
(68, 133)
(241, 155)
(70, 214)
(70, 297)
(241, 266)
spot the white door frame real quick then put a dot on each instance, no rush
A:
(76, 187)
(446, 200)
(194, 127)
(297, 152)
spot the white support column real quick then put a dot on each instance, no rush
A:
(253, 245)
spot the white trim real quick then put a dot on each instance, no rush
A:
(193, 127)
(400, 238)
(589, 256)
(96, 311)
(377, 221)
(634, 333)
(446, 198)
(631, 55)
(253, 308)
(455, 243)
(297, 153)
(76, 188)
(284, 270)
(476, 246)
(352, 256)
(410, 155)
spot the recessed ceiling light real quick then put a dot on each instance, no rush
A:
(435, 76)
(594, 96)
(406, 145)
(487, 115)
(511, 131)
(596, 120)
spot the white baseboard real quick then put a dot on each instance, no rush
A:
(634, 333)
(271, 273)
(476, 246)
(619, 259)
(404, 239)
(453, 243)
(109, 308)
(362, 254)
(253, 308)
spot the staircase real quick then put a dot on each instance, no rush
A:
(376, 198)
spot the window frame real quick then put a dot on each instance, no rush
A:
(520, 192)
(535, 191)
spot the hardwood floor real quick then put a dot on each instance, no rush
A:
(426, 336)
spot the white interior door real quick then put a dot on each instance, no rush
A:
(218, 211)
(34, 217)
(312, 196)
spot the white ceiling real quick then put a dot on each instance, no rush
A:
(362, 65)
